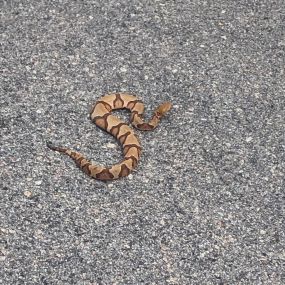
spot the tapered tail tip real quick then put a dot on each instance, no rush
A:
(56, 148)
(50, 145)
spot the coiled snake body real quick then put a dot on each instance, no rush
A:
(102, 117)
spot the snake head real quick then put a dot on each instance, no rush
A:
(163, 108)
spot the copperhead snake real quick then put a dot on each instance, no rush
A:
(102, 117)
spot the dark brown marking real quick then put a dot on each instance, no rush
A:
(118, 102)
(105, 175)
(86, 169)
(131, 105)
(101, 121)
(134, 160)
(124, 170)
(116, 129)
(123, 137)
(145, 127)
(106, 105)
(128, 149)
(105, 116)
(79, 160)
(133, 115)
(73, 154)
(128, 146)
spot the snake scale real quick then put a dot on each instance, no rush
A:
(102, 117)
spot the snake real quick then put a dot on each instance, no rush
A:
(101, 115)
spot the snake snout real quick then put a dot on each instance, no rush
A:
(164, 108)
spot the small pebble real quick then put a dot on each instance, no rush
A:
(123, 69)
(111, 145)
(248, 139)
(28, 193)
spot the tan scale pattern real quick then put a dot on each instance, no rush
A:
(102, 117)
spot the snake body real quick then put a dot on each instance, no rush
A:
(102, 117)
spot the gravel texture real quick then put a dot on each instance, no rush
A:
(206, 203)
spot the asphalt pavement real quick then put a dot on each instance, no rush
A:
(206, 204)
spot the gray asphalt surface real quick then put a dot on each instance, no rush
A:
(206, 203)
